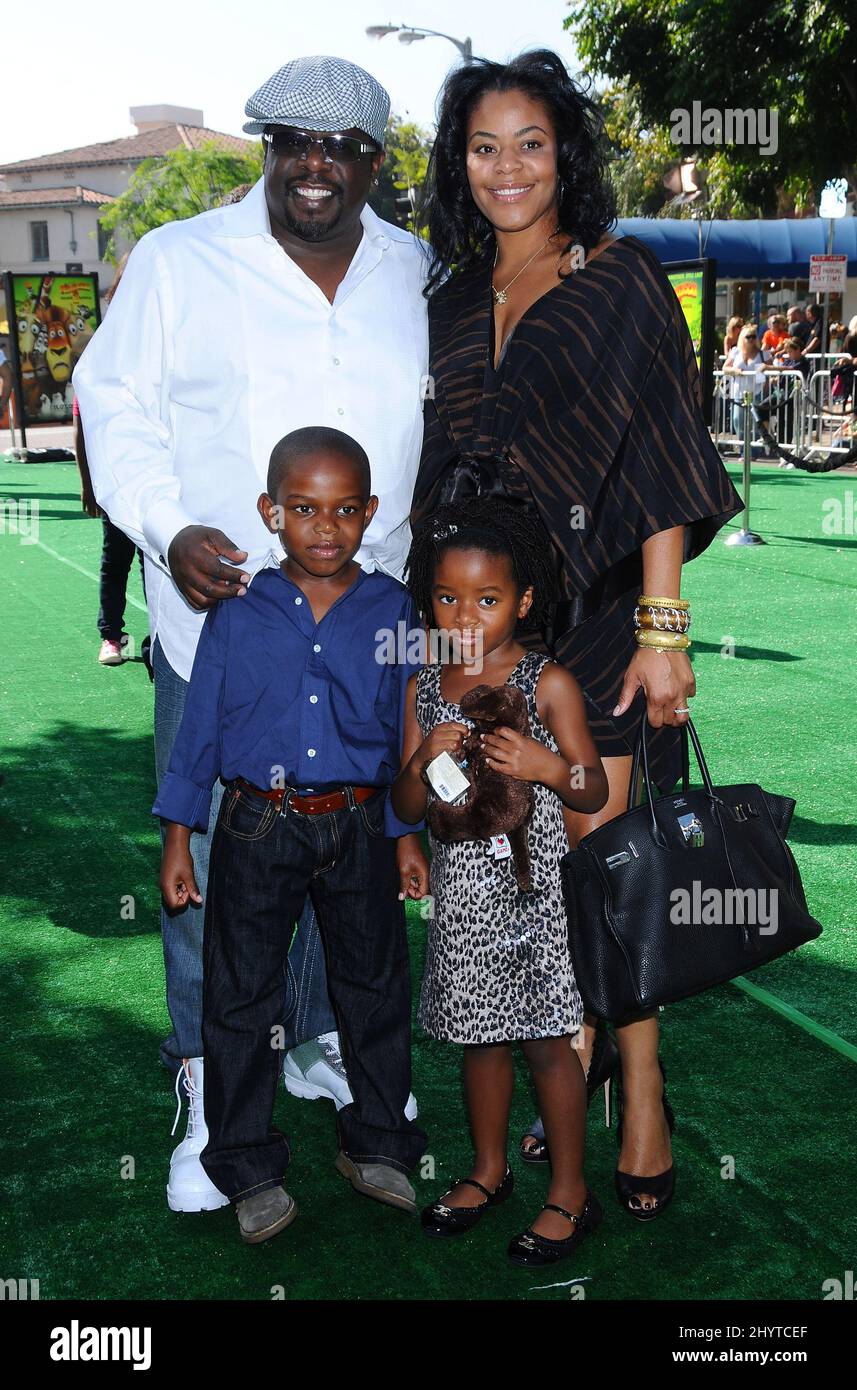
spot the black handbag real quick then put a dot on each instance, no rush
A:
(682, 892)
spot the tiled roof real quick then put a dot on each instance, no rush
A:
(53, 197)
(131, 149)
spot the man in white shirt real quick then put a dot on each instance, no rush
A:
(297, 306)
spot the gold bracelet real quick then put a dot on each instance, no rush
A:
(662, 619)
(665, 641)
(646, 602)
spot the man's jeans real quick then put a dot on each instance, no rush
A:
(308, 1009)
(263, 863)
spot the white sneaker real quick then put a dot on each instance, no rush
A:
(315, 1071)
(190, 1188)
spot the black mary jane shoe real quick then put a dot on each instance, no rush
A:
(603, 1071)
(530, 1249)
(629, 1186)
(440, 1220)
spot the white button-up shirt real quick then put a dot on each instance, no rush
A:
(216, 344)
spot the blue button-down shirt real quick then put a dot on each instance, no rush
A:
(278, 698)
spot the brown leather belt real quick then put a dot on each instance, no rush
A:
(317, 805)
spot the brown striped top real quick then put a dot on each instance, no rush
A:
(597, 402)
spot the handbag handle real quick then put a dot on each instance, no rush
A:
(640, 748)
(635, 766)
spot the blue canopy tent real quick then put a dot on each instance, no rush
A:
(774, 249)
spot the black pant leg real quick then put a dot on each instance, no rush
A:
(258, 875)
(117, 555)
(363, 927)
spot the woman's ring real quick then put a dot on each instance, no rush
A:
(684, 710)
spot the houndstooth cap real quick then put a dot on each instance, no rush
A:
(320, 93)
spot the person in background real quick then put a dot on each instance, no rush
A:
(745, 359)
(789, 357)
(849, 343)
(733, 328)
(5, 383)
(798, 326)
(775, 334)
(117, 551)
(813, 318)
(844, 368)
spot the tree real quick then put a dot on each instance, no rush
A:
(177, 185)
(638, 157)
(796, 56)
(403, 172)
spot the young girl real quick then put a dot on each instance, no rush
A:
(498, 968)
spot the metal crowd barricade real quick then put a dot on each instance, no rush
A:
(780, 397)
(826, 426)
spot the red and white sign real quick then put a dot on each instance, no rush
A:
(827, 274)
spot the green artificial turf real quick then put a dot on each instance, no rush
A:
(83, 999)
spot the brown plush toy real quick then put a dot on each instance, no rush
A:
(494, 803)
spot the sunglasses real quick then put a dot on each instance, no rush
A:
(336, 149)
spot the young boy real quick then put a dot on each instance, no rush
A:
(291, 703)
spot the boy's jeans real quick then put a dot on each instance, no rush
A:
(262, 865)
(308, 1009)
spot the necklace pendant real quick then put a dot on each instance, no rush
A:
(500, 296)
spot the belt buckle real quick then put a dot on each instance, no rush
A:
(288, 793)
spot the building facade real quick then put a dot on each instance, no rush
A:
(50, 205)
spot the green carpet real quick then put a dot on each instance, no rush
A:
(83, 1000)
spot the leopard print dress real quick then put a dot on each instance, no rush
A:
(497, 961)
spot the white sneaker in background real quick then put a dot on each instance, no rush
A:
(315, 1071)
(110, 653)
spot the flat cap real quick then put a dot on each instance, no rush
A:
(320, 93)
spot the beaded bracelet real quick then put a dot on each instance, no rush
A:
(662, 619)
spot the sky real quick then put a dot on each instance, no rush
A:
(212, 55)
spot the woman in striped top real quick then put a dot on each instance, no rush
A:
(562, 373)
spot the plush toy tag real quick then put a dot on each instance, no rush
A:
(446, 778)
(501, 847)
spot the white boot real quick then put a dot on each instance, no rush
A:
(190, 1188)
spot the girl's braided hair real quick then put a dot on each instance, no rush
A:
(493, 525)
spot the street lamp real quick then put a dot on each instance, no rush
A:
(408, 34)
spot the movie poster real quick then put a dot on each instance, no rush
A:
(51, 320)
(688, 285)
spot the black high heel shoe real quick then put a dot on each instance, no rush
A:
(529, 1248)
(629, 1186)
(603, 1067)
(440, 1220)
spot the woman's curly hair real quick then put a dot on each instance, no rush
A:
(459, 235)
(496, 526)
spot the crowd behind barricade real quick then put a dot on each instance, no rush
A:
(801, 389)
